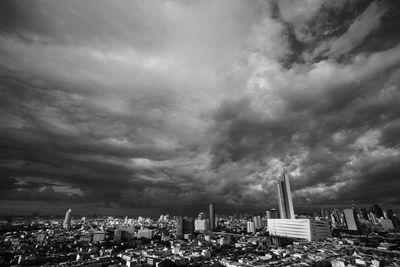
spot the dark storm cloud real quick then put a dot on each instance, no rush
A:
(142, 105)
(82, 23)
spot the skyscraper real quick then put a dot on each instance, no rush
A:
(257, 222)
(250, 227)
(285, 197)
(67, 220)
(351, 219)
(184, 226)
(212, 216)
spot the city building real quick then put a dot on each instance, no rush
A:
(99, 236)
(272, 214)
(145, 233)
(250, 227)
(257, 222)
(184, 226)
(351, 219)
(67, 220)
(377, 210)
(212, 216)
(285, 197)
(308, 229)
(201, 225)
(387, 224)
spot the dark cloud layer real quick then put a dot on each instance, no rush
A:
(155, 106)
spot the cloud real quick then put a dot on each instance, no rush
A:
(364, 25)
(155, 106)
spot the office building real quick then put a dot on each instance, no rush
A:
(179, 228)
(67, 220)
(184, 226)
(285, 197)
(212, 216)
(202, 216)
(99, 236)
(307, 229)
(250, 227)
(351, 219)
(372, 217)
(272, 214)
(257, 222)
(395, 220)
(201, 225)
(145, 233)
(364, 214)
(376, 209)
(387, 224)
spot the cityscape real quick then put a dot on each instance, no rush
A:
(203, 133)
(350, 237)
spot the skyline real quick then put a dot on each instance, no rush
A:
(166, 106)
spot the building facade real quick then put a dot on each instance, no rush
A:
(285, 197)
(307, 229)
(67, 219)
(212, 216)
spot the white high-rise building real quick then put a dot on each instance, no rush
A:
(351, 219)
(201, 225)
(285, 197)
(67, 220)
(257, 222)
(250, 227)
(308, 229)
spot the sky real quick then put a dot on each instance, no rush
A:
(149, 107)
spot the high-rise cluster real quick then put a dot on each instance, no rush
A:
(287, 225)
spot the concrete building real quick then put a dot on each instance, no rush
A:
(67, 219)
(285, 197)
(257, 222)
(308, 229)
(184, 226)
(212, 216)
(272, 214)
(387, 224)
(99, 236)
(145, 233)
(201, 225)
(250, 227)
(351, 219)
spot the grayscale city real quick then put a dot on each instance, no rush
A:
(221, 133)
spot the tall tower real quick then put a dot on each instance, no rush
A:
(67, 220)
(285, 197)
(212, 216)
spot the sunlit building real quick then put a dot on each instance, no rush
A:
(351, 220)
(307, 229)
(67, 219)
(285, 197)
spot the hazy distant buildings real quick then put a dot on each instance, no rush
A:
(387, 225)
(308, 229)
(212, 216)
(285, 197)
(67, 220)
(272, 214)
(376, 209)
(145, 233)
(351, 219)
